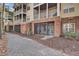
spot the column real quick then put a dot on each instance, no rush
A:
(26, 12)
(39, 13)
(46, 10)
(22, 13)
(32, 12)
(58, 9)
(13, 22)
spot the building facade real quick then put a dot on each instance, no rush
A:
(46, 18)
(70, 17)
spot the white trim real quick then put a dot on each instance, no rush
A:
(37, 5)
(69, 10)
(39, 12)
(68, 26)
(22, 13)
(46, 10)
(58, 9)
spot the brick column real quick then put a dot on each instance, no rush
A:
(57, 27)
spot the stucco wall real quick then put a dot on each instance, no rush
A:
(68, 5)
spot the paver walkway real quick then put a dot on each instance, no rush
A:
(20, 46)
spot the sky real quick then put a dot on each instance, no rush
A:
(10, 6)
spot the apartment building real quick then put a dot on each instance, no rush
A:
(39, 18)
(19, 16)
(22, 17)
(46, 18)
(9, 21)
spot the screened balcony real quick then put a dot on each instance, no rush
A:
(52, 9)
(36, 13)
(43, 11)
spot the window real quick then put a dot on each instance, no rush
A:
(71, 9)
(68, 27)
(65, 10)
(24, 6)
(28, 8)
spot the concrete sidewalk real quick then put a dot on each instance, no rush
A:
(21, 46)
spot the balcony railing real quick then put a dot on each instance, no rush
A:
(24, 20)
(20, 11)
(28, 18)
(17, 21)
(52, 14)
(36, 16)
(43, 15)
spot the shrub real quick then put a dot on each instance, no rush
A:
(77, 36)
(71, 35)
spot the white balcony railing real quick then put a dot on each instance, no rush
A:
(36, 16)
(52, 14)
(43, 15)
(24, 20)
(17, 21)
(20, 11)
(28, 18)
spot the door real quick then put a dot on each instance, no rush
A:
(50, 29)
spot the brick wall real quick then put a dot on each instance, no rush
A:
(57, 24)
(25, 28)
(72, 20)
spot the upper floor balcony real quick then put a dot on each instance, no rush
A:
(45, 12)
(36, 16)
(21, 11)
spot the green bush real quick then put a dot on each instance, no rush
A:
(71, 35)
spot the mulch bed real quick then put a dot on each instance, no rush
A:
(67, 46)
(3, 45)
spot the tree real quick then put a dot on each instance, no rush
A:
(2, 21)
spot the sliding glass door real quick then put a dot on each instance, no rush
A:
(44, 28)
